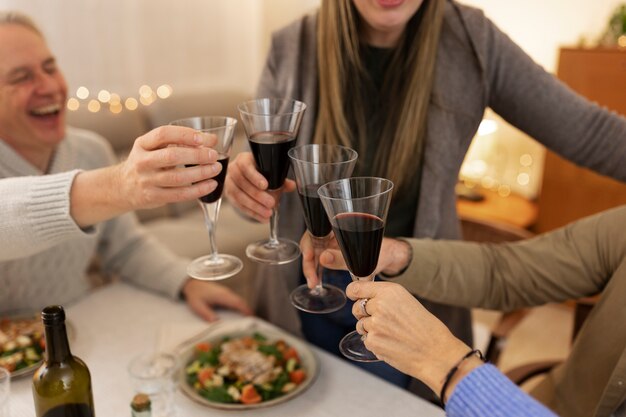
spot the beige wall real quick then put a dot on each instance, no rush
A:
(201, 44)
(541, 26)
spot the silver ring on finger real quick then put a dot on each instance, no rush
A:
(363, 304)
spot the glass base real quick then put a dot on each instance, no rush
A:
(352, 347)
(209, 268)
(329, 299)
(284, 252)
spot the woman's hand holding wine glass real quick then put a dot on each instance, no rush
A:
(394, 256)
(246, 189)
(404, 334)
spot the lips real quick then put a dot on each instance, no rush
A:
(47, 110)
(390, 3)
(48, 120)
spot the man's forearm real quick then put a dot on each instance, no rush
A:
(95, 197)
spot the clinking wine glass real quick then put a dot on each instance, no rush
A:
(315, 165)
(357, 209)
(214, 266)
(272, 126)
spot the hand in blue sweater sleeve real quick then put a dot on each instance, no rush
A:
(487, 392)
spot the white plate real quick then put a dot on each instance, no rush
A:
(246, 327)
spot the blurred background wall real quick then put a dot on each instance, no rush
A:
(195, 44)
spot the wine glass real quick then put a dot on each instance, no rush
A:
(214, 266)
(357, 209)
(315, 165)
(271, 125)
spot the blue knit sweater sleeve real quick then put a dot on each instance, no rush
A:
(487, 392)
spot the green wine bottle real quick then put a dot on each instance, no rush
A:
(62, 385)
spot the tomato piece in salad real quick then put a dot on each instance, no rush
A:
(249, 395)
(203, 347)
(297, 376)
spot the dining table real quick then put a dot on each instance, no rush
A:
(118, 321)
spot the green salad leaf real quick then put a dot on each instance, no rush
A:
(217, 394)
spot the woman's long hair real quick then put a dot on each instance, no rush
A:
(406, 87)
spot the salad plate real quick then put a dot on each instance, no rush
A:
(21, 342)
(245, 363)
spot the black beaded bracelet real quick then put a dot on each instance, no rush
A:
(403, 270)
(453, 370)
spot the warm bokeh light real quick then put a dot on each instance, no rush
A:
(147, 96)
(131, 103)
(115, 99)
(93, 106)
(504, 190)
(488, 182)
(116, 108)
(146, 101)
(475, 169)
(73, 104)
(621, 41)
(104, 96)
(145, 91)
(526, 160)
(470, 184)
(164, 91)
(82, 93)
(523, 178)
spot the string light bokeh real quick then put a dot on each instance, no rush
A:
(106, 100)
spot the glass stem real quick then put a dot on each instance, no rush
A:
(211, 211)
(273, 240)
(370, 277)
(319, 245)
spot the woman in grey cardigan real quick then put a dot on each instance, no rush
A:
(406, 84)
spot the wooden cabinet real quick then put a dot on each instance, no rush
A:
(569, 192)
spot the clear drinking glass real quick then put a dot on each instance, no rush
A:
(315, 165)
(5, 391)
(214, 266)
(154, 374)
(357, 209)
(272, 125)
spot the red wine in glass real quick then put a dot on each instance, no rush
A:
(357, 209)
(270, 154)
(314, 165)
(272, 125)
(314, 214)
(360, 236)
(216, 194)
(215, 265)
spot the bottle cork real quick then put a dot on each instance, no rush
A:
(140, 404)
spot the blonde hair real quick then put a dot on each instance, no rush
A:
(408, 82)
(16, 18)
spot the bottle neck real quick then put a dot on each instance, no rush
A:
(57, 346)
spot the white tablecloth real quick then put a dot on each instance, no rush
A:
(117, 322)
